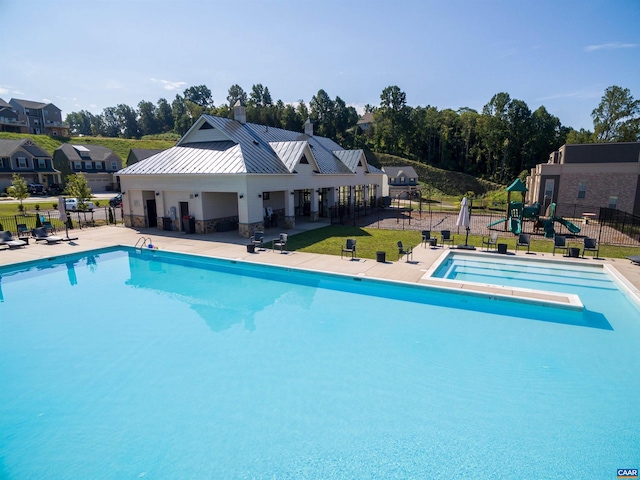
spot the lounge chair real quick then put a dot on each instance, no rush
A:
(490, 241)
(281, 243)
(404, 251)
(446, 237)
(560, 243)
(6, 239)
(48, 227)
(258, 239)
(591, 245)
(40, 233)
(350, 247)
(23, 231)
(524, 241)
(635, 259)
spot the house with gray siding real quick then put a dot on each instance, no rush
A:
(581, 178)
(403, 181)
(97, 163)
(29, 161)
(229, 172)
(9, 121)
(40, 118)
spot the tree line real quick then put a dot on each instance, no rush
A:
(498, 143)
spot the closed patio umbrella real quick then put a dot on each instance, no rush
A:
(464, 220)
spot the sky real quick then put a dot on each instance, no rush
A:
(93, 54)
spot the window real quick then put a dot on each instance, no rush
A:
(22, 162)
(77, 165)
(582, 190)
(42, 163)
(304, 160)
(1, 162)
(98, 165)
(613, 202)
(548, 189)
(88, 165)
(114, 165)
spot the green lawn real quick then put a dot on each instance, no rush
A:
(329, 241)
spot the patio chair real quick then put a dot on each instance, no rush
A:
(281, 243)
(258, 239)
(408, 252)
(6, 239)
(490, 241)
(426, 237)
(560, 243)
(350, 247)
(524, 241)
(635, 259)
(446, 237)
(40, 234)
(591, 245)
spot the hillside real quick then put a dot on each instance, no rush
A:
(449, 183)
(121, 146)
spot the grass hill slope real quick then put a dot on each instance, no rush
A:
(120, 146)
(449, 183)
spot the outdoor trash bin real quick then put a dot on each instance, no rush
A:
(502, 248)
(189, 224)
(251, 248)
(167, 224)
(381, 257)
(574, 252)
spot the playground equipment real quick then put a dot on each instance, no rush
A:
(548, 223)
(517, 212)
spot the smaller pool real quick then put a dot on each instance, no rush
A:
(597, 286)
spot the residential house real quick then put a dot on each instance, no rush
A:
(9, 121)
(582, 178)
(229, 172)
(137, 154)
(40, 118)
(29, 161)
(403, 181)
(365, 122)
(97, 163)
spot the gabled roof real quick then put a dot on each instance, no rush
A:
(30, 103)
(4, 104)
(352, 158)
(96, 152)
(290, 153)
(395, 172)
(9, 147)
(366, 118)
(217, 145)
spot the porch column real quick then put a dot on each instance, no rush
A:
(314, 214)
(289, 209)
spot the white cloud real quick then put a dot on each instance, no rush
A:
(585, 93)
(168, 85)
(609, 46)
(3, 90)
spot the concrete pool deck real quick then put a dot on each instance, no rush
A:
(228, 245)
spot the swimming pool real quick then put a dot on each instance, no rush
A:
(126, 363)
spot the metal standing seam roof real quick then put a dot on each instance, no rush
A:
(251, 148)
(351, 158)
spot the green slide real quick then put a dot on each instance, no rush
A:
(572, 227)
(516, 226)
(496, 222)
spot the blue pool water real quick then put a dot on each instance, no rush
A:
(125, 364)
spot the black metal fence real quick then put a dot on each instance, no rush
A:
(76, 220)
